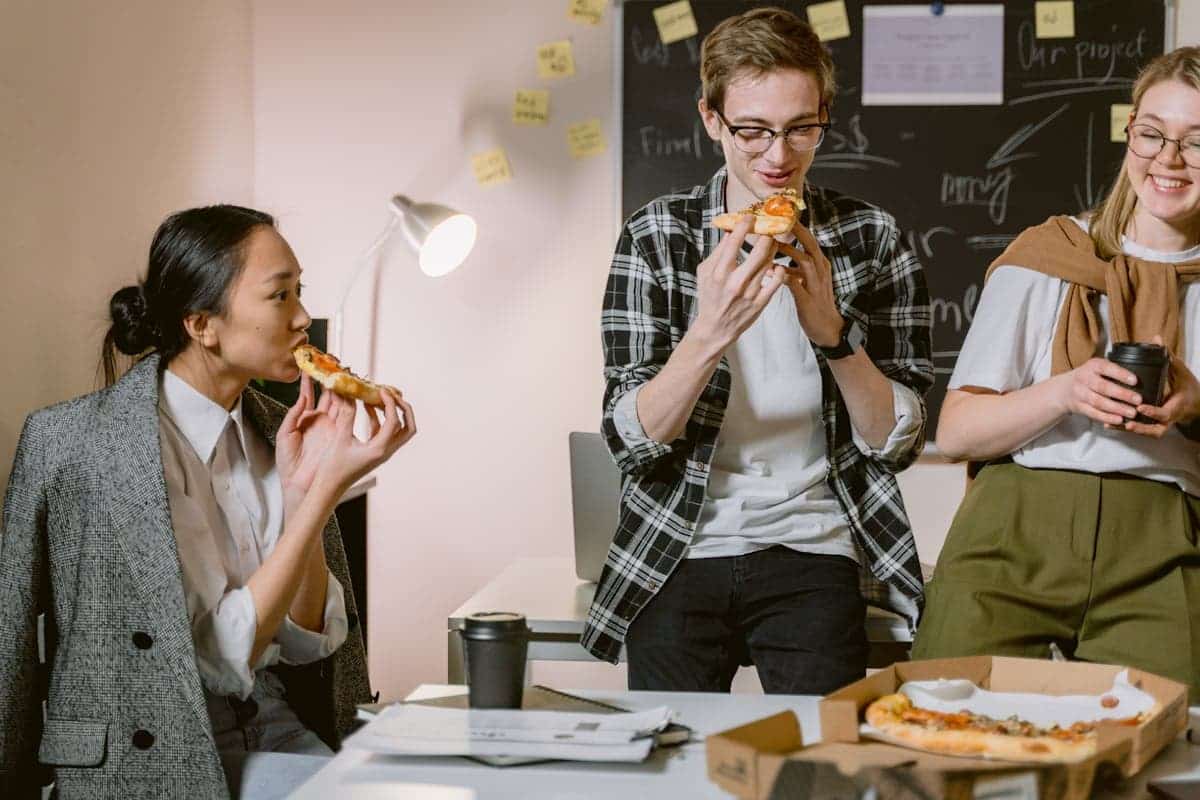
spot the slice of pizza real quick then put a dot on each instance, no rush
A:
(964, 733)
(772, 216)
(329, 372)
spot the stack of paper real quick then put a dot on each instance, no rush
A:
(427, 731)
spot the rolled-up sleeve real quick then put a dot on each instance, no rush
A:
(637, 343)
(298, 645)
(907, 429)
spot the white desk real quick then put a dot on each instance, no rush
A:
(555, 604)
(677, 772)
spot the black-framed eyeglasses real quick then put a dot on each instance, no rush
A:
(1146, 141)
(755, 139)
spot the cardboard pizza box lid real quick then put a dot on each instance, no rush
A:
(747, 761)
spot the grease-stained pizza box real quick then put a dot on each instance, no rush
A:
(768, 757)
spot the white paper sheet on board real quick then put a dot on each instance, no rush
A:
(912, 57)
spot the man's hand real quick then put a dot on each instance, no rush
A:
(811, 284)
(732, 295)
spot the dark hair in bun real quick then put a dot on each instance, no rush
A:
(194, 258)
(133, 332)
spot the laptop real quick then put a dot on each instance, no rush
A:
(595, 497)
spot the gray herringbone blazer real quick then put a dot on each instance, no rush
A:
(87, 538)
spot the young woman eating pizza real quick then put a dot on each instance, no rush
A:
(1081, 530)
(177, 530)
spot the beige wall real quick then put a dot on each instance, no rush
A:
(111, 116)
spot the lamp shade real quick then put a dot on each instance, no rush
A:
(442, 237)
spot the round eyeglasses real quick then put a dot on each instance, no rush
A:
(1146, 141)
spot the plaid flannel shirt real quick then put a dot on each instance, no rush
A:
(649, 302)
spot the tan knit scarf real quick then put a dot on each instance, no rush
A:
(1143, 296)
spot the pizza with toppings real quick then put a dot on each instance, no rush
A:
(329, 372)
(774, 215)
(964, 733)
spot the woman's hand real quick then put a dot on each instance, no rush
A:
(317, 446)
(1182, 404)
(1098, 389)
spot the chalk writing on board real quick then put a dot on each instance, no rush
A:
(990, 191)
(956, 313)
(648, 48)
(659, 142)
(921, 242)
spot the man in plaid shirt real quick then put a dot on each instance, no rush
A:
(758, 428)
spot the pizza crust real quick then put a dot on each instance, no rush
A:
(764, 225)
(767, 224)
(326, 370)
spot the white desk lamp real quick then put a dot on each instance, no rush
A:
(441, 237)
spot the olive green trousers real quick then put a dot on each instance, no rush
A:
(1104, 566)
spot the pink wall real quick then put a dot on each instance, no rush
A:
(500, 359)
(112, 115)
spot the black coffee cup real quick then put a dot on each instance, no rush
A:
(1148, 362)
(496, 645)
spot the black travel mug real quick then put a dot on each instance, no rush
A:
(496, 644)
(1149, 363)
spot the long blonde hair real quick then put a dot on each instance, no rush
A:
(1111, 218)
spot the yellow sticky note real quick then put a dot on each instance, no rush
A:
(589, 11)
(491, 167)
(586, 139)
(829, 20)
(1055, 19)
(675, 21)
(555, 60)
(1119, 119)
(531, 107)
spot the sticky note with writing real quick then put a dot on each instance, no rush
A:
(829, 20)
(675, 21)
(491, 166)
(555, 60)
(1055, 19)
(589, 11)
(1119, 116)
(531, 107)
(586, 139)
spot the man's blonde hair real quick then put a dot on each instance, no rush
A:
(761, 41)
(1111, 218)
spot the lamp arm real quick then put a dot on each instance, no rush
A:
(359, 267)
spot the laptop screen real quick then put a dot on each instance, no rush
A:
(595, 497)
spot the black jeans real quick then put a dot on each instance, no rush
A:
(798, 617)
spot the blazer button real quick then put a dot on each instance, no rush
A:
(142, 640)
(143, 740)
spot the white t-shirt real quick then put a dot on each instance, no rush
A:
(1009, 347)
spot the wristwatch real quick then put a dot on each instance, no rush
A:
(843, 347)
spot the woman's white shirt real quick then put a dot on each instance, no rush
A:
(1008, 347)
(227, 513)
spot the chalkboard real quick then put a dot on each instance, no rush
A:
(961, 180)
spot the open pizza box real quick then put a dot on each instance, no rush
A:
(768, 758)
